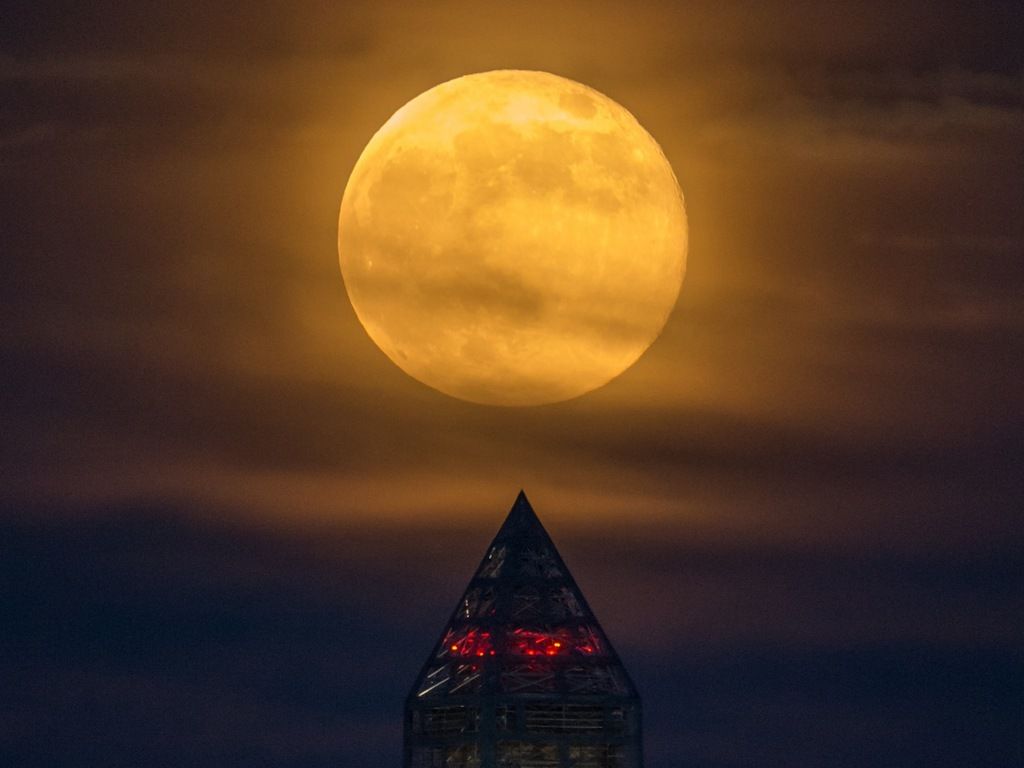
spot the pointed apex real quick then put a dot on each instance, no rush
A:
(523, 674)
(522, 501)
(521, 520)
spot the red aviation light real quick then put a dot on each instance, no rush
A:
(561, 642)
(522, 641)
(474, 642)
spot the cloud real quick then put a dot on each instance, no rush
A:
(156, 633)
(176, 321)
(815, 463)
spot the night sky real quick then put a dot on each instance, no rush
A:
(231, 529)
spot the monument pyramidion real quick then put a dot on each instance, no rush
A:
(523, 676)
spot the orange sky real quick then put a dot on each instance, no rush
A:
(843, 362)
(230, 526)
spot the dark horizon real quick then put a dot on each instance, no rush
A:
(230, 527)
(150, 635)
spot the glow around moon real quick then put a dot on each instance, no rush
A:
(512, 238)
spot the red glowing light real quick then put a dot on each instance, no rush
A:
(529, 642)
(474, 642)
(522, 641)
(560, 642)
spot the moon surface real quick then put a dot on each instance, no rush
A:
(512, 238)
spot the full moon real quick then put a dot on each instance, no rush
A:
(512, 238)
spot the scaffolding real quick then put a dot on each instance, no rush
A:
(523, 675)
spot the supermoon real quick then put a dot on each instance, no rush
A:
(512, 238)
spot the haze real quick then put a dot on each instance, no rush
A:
(798, 515)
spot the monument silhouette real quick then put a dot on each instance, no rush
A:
(523, 676)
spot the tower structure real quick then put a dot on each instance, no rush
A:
(523, 676)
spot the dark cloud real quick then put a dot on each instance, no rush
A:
(817, 460)
(143, 634)
(266, 28)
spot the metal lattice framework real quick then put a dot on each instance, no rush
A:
(523, 675)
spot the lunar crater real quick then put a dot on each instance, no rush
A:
(512, 238)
